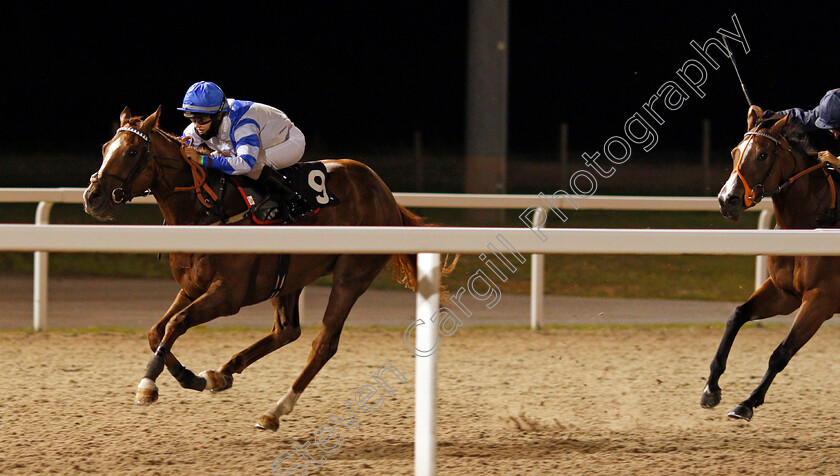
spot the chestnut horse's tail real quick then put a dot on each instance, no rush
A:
(405, 265)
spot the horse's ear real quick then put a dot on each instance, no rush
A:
(150, 122)
(753, 116)
(779, 126)
(125, 116)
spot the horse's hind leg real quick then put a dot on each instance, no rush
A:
(353, 274)
(816, 309)
(286, 329)
(767, 301)
(210, 305)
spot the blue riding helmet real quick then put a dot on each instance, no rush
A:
(828, 112)
(204, 97)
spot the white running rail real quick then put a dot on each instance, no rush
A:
(428, 243)
(535, 206)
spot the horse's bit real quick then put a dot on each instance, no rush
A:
(119, 195)
(755, 194)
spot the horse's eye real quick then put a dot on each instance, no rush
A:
(762, 156)
(132, 153)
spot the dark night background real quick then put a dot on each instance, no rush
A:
(360, 77)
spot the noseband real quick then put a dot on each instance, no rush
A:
(755, 194)
(119, 195)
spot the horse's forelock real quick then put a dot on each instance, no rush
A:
(135, 121)
(765, 124)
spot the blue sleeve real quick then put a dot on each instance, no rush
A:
(245, 136)
(246, 143)
(802, 117)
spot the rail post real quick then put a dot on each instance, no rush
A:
(761, 273)
(537, 279)
(425, 390)
(41, 273)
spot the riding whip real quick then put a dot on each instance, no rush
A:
(737, 73)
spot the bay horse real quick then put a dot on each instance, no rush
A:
(143, 157)
(774, 156)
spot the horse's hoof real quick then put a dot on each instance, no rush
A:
(147, 392)
(268, 422)
(709, 399)
(216, 381)
(741, 412)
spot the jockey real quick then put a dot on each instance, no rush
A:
(247, 138)
(825, 116)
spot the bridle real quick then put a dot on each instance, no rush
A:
(753, 195)
(119, 194)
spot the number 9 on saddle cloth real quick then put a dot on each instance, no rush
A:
(308, 182)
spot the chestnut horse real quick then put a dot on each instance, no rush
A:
(773, 158)
(142, 157)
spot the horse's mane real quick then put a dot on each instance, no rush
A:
(168, 135)
(805, 144)
(137, 120)
(178, 139)
(800, 140)
(808, 143)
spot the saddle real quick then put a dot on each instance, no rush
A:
(307, 179)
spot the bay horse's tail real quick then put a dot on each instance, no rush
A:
(405, 265)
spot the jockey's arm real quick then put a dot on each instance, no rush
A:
(246, 143)
(802, 117)
(247, 147)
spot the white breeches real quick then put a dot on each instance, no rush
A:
(288, 152)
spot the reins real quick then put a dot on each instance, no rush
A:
(199, 175)
(823, 166)
(753, 195)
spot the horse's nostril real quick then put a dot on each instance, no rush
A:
(94, 200)
(94, 197)
(727, 199)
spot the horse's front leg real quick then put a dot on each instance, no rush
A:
(286, 329)
(148, 394)
(767, 301)
(184, 376)
(817, 307)
(215, 302)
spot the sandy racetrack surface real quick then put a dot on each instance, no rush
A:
(559, 401)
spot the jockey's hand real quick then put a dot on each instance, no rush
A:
(826, 156)
(194, 155)
(204, 149)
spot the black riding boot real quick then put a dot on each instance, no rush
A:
(272, 184)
